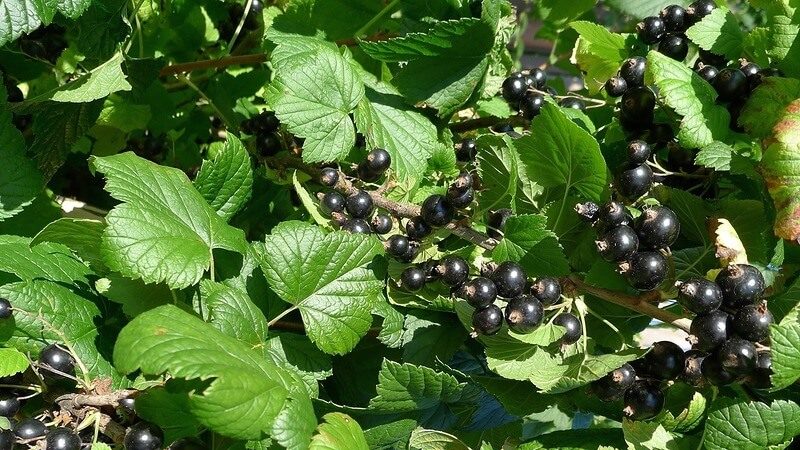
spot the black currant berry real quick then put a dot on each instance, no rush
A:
(714, 372)
(708, 73)
(738, 356)
(128, 405)
(637, 106)
(618, 243)
(364, 174)
(359, 205)
(587, 211)
(612, 215)
(531, 105)
(572, 325)
(614, 385)
(699, 9)
(332, 202)
(638, 152)
(462, 183)
(658, 228)
(764, 74)
(661, 134)
(496, 223)
(413, 279)
(510, 279)
(417, 229)
(462, 200)
(356, 226)
(741, 284)
(634, 181)
(547, 290)
(730, 84)
(676, 46)
(651, 29)
(57, 358)
(752, 322)
(524, 314)
(411, 253)
(692, 370)
(673, 17)
(665, 360)
(645, 271)
(572, 103)
(699, 295)
(514, 88)
(144, 436)
(30, 429)
(437, 211)
(5, 309)
(750, 70)
(61, 438)
(709, 330)
(378, 160)
(6, 440)
(453, 270)
(381, 223)
(329, 176)
(467, 150)
(616, 87)
(632, 71)
(536, 78)
(397, 245)
(760, 378)
(9, 405)
(268, 144)
(487, 321)
(643, 400)
(266, 122)
(479, 292)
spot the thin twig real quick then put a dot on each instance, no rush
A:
(239, 60)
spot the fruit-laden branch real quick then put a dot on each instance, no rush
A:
(486, 122)
(82, 405)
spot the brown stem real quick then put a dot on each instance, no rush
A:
(81, 405)
(81, 400)
(175, 69)
(485, 122)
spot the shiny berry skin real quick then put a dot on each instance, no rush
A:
(741, 284)
(128, 405)
(329, 176)
(587, 211)
(764, 74)
(710, 330)
(364, 174)
(514, 88)
(638, 152)
(692, 370)
(752, 322)
(547, 290)
(437, 211)
(676, 46)
(572, 103)
(510, 279)
(413, 279)
(467, 150)
(487, 321)
(637, 106)
(572, 325)
(699, 295)
(634, 181)
(738, 356)
(453, 270)
(417, 229)
(479, 292)
(651, 29)
(759, 378)
(536, 78)
(381, 223)
(714, 372)
(144, 436)
(56, 357)
(699, 9)
(411, 253)
(645, 271)
(730, 84)
(397, 245)
(9, 405)
(673, 18)
(496, 223)
(62, 439)
(359, 205)
(643, 400)
(665, 360)
(618, 243)
(356, 226)
(531, 105)
(461, 201)
(611, 215)
(524, 314)
(6, 440)
(613, 385)
(268, 144)
(750, 69)
(5, 309)
(632, 71)
(378, 160)
(708, 73)
(29, 429)
(658, 228)
(462, 183)
(616, 87)
(332, 202)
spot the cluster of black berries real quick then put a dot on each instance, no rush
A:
(638, 102)
(235, 13)
(44, 43)
(264, 127)
(525, 93)
(668, 28)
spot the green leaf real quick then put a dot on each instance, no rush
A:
(164, 230)
(297, 353)
(231, 311)
(246, 395)
(82, 236)
(716, 155)
(718, 32)
(44, 261)
(438, 40)
(785, 349)
(767, 105)
(56, 127)
(18, 187)
(422, 439)
(101, 81)
(528, 241)
(100, 446)
(598, 52)
(20, 17)
(226, 181)
(785, 36)
(558, 14)
(169, 410)
(504, 179)
(331, 279)
(407, 388)
(591, 439)
(643, 8)
(339, 431)
(647, 436)
(751, 425)
(580, 369)
(12, 362)
(135, 296)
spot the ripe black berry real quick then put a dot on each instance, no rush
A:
(547, 290)
(643, 400)
(332, 202)
(710, 330)
(658, 227)
(616, 87)
(741, 284)
(378, 160)
(618, 243)
(359, 204)
(764, 74)
(462, 200)
(417, 229)
(9, 405)
(714, 372)
(572, 103)
(536, 78)
(673, 17)
(510, 279)
(467, 150)
(587, 211)
(699, 295)
(381, 223)
(752, 322)
(413, 279)
(144, 436)
(524, 314)
(356, 226)
(437, 211)
(699, 9)
(613, 385)
(329, 176)
(676, 46)
(496, 223)
(5, 309)
(30, 429)
(62, 439)
(55, 357)
(487, 321)
(665, 360)
(531, 105)
(364, 174)
(268, 144)
(638, 152)
(731, 84)
(128, 405)
(411, 253)
(514, 88)
(613, 214)
(645, 271)
(759, 378)
(572, 325)
(632, 71)
(750, 69)
(708, 73)
(637, 106)
(692, 372)
(397, 245)
(453, 270)
(651, 29)
(462, 183)
(6, 440)
(634, 181)
(737, 356)
(265, 122)
(479, 292)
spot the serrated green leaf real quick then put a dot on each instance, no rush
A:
(331, 279)
(751, 425)
(527, 240)
(226, 181)
(504, 178)
(246, 395)
(298, 353)
(785, 350)
(718, 32)
(169, 410)
(20, 17)
(598, 52)
(648, 436)
(391, 334)
(440, 39)
(580, 369)
(643, 8)
(81, 235)
(339, 431)
(231, 311)
(12, 362)
(591, 439)
(100, 446)
(558, 14)
(784, 48)
(422, 439)
(164, 234)
(429, 336)
(135, 296)
(44, 261)
(101, 81)
(56, 127)
(18, 187)
(716, 155)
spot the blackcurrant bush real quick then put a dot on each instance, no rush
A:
(496, 224)
(665, 360)
(752, 322)
(730, 84)
(417, 229)
(572, 103)
(692, 372)
(487, 321)
(572, 325)
(638, 152)
(708, 73)
(643, 400)
(547, 290)
(524, 314)
(611, 215)
(658, 228)
(479, 292)
(5, 309)
(616, 87)
(62, 439)
(462, 200)
(536, 78)
(437, 211)
(676, 46)
(618, 243)
(6, 440)
(268, 144)
(613, 385)
(514, 88)
(673, 17)
(356, 226)
(760, 377)
(741, 284)
(712, 370)
(30, 429)
(637, 106)
(329, 176)
(453, 270)
(467, 150)
(57, 358)
(710, 330)
(381, 223)
(738, 356)
(634, 181)
(9, 405)
(587, 211)
(699, 9)
(531, 105)
(397, 245)
(332, 202)
(632, 71)
(359, 204)
(378, 160)
(510, 279)
(144, 436)
(645, 271)
(699, 295)
(651, 29)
